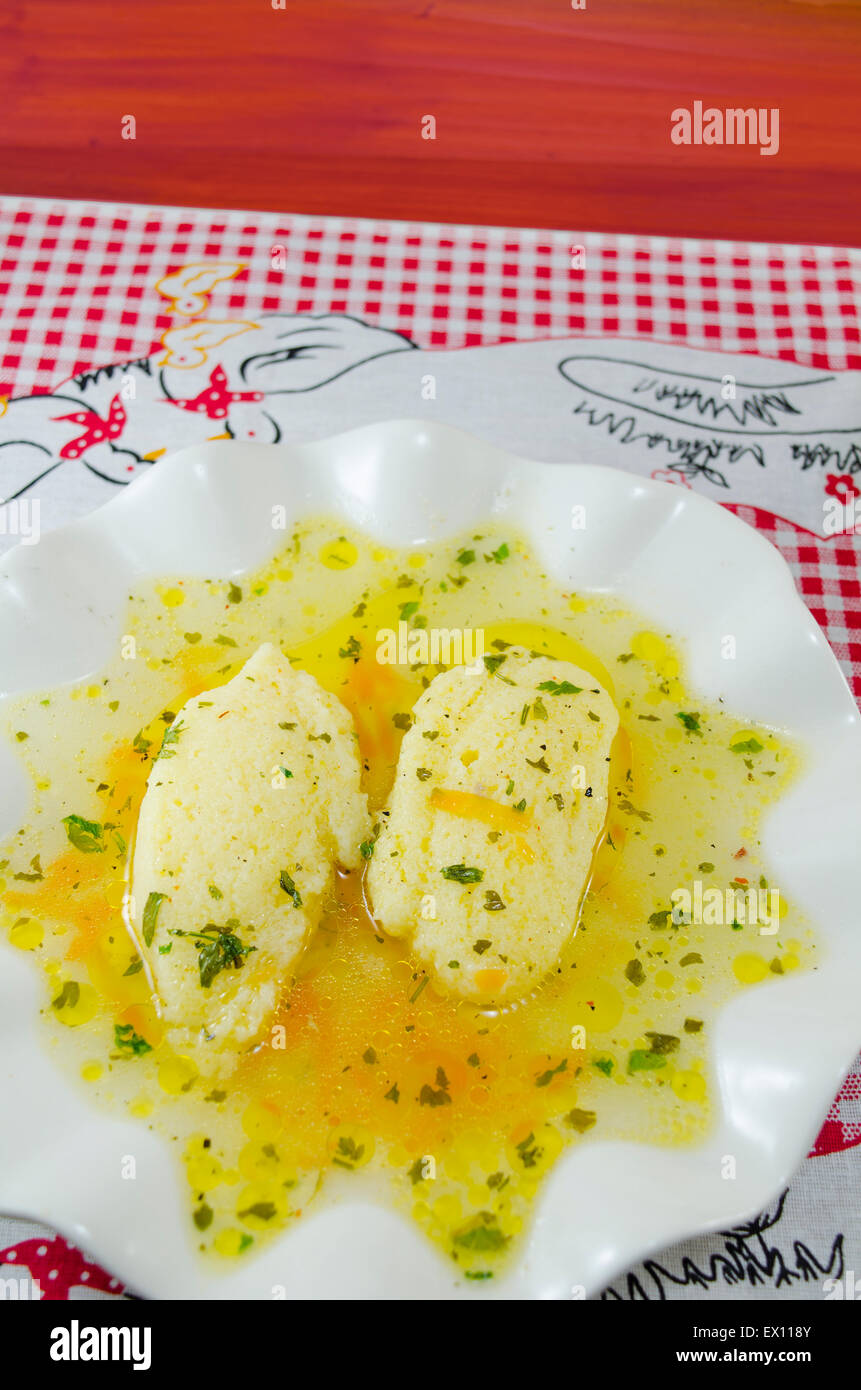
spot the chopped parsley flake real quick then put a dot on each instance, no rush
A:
(663, 1043)
(290, 888)
(497, 556)
(460, 873)
(85, 835)
(439, 1096)
(171, 737)
(128, 1042)
(547, 1076)
(640, 1060)
(348, 1153)
(581, 1120)
(150, 915)
(560, 688)
(635, 973)
(481, 1233)
(751, 745)
(218, 947)
(690, 721)
(352, 650)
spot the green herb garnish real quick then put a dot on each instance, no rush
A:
(690, 721)
(493, 663)
(85, 835)
(663, 1043)
(203, 1216)
(171, 737)
(751, 745)
(219, 948)
(353, 649)
(547, 1076)
(460, 873)
(440, 1096)
(264, 1211)
(560, 688)
(634, 972)
(481, 1233)
(641, 1060)
(150, 915)
(128, 1042)
(581, 1120)
(68, 996)
(497, 556)
(290, 888)
(540, 763)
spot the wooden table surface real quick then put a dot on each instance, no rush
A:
(546, 115)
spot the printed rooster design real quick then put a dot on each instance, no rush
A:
(105, 427)
(842, 1127)
(98, 431)
(57, 1267)
(294, 374)
(215, 400)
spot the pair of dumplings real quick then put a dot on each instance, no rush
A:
(499, 797)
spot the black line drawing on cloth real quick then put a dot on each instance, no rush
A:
(746, 1254)
(100, 422)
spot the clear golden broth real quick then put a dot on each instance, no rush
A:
(369, 1078)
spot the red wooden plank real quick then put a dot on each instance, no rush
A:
(545, 115)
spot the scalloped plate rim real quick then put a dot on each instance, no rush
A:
(202, 458)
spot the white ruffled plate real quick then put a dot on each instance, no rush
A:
(778, 1052)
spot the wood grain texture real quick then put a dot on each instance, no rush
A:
(545, 115)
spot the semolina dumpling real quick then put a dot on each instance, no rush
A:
(251, 802)
(500, 796)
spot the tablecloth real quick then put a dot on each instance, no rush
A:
(95, 296)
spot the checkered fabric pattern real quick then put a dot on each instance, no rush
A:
(76, 291)
(75, 284)
(828, 576)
